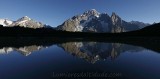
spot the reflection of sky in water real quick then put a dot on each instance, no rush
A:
(42, 63)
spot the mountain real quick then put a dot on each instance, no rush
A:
(93, 21)
(22, 22)
(140, 24)
(27, 22)
(5, 22)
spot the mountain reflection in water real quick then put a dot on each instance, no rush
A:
(94, 51)
(89, 51)
(38, 58)
(26, 50)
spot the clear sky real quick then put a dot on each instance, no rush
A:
(55, 12)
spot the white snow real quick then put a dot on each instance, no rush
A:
(88, 20)
(78, 44)
(27, 17)
(9, 50)
(79, 28)
(2, 51)
(2, 22)
(97, 16)
(22, 21)
(6, 50)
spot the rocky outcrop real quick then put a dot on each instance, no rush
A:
(117, 24)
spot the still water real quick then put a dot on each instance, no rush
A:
(85, 59)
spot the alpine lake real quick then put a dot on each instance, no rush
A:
(58, 58)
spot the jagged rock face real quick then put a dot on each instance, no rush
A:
(79, 22)
(71, 25)
(93, 21)
(94, 51)
(99, 23)
(117, 24)
(116, 20)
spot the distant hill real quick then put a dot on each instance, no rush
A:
(152, 30)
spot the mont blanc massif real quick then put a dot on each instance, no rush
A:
(89, 21)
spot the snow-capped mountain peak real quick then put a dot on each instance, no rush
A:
(5, 22)
(22, 22)
(25, 18)
(92, 12)
(27, 22)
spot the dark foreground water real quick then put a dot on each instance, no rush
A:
(79, 60)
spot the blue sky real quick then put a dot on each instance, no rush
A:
(55, 12)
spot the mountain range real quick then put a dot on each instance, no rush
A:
(22, 22)
(93, 21)
(89, 21)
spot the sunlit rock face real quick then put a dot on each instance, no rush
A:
(117, 24)
(93, 21)
(93, 51)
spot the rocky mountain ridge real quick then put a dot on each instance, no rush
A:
(89, 21)
(93, 21)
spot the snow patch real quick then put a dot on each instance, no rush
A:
(79, 28)
(97, 16)
(21, 22)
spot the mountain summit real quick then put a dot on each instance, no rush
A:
(93, 21)
(24, 18)
(91, 12)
